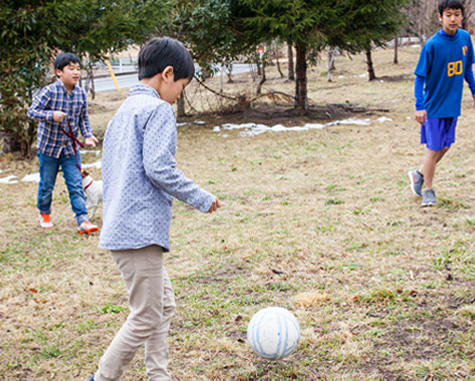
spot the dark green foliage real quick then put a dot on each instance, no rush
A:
(32, 31)
(351, 25)
(205, 27)
(23, 67)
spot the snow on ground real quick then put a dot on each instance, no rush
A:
(250, 129)
(9, 180)
(253, 129)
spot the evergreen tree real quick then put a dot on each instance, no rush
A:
(351, 25)
(32, 31)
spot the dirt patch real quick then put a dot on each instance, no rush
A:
(286, 115)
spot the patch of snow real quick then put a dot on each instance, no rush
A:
(32, 177)
(358, 122)
(85, 151)
(9, 180)
(97, 164)
(199, 122)
(253, 129)
(364, 75)
(181, 124)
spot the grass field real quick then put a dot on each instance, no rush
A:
(321, 222)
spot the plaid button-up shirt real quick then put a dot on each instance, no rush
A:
(51, 139)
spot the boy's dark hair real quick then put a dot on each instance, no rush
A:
(160, 52)
(64, 59)
(450, 4)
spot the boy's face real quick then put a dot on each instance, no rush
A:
(451, 20)
(70, 74)
(172, 89)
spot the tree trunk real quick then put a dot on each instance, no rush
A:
(369, 63)
(330, 63)
(263, 78)
(396, 43)
(90, 82)
(229, 72)
(301, 82)
(278, 67)
(290, 55)
(258, 65)
(180, 105)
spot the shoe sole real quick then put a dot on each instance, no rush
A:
(428, 204)
(412, 184)
(47, 227)
(88, 231)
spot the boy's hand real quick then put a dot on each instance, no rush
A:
(214, 206)
(421, 116)
(91, 141)
(58, 116)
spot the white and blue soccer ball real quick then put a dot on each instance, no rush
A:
(273, 333)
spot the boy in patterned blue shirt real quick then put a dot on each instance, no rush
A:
(140, 181)
(61, 108)
(445, 60)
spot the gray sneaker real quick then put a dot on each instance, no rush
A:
(429, 198)
(417, 180)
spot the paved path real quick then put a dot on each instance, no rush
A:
(126, 81)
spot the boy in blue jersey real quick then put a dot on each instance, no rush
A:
(445, 60)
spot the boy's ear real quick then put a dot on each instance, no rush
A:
(168, 73)
(58, 72)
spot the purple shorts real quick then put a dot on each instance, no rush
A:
(438, 133)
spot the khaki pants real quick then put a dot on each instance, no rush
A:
(152, 305)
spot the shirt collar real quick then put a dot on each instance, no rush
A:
(60, 85)
(142, 88)
(449, 36)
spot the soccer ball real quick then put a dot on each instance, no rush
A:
(273, 333)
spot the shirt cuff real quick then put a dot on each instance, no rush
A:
(49, 116)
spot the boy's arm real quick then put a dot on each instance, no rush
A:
(421, 115)
(85, 126)
(421, 72)
(40, 109)
(471, 82)
(160, 165)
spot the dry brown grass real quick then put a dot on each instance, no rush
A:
(382, 288)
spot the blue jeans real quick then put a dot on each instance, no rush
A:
(49, 167)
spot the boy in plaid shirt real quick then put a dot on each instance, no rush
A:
(61, 108)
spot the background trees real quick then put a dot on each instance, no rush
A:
(351, 25)
(32, 31)
(216, 32)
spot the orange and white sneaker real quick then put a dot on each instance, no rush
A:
(86, 227)
(45, 221)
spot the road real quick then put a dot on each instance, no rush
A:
(126, 81)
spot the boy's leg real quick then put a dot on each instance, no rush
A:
(430, 161)
(438, 135)
(73, 179)
(48, 171)
(142, 271)
(156, 347)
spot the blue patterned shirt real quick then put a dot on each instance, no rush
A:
(51, 139)
(139, 173)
